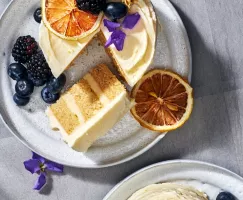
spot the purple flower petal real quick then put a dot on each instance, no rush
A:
(117, 38)
(130, 21)
(111, 26)
(38, 157)
(32, 165)
(108, 42)
(41, 181)
(52, 166)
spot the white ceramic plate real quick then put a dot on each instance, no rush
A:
(30, 125)
(205, 177)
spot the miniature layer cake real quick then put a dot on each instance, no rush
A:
(89, 108)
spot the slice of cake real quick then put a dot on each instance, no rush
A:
(89, 108)
(139, 47)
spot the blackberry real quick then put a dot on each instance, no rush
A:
(94, 6)
(37, 68)
(24, 48)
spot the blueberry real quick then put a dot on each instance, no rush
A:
(55, 85)
(49, 97)
(37, 15)
(115, 10)
(20, 101)
(16, 71)
(24, 87)
(225, 196)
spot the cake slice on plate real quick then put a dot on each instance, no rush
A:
(89, 109)
(139, 46)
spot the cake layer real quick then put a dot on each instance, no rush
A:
(89, 109)
(65, 116)
(100, 124)
(107, 82)
(85, 98)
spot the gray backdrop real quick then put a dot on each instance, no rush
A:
(213, 133)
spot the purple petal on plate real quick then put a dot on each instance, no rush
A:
(111, 26)
(119, 39)
(130, 21)
(52, 166)
(32, 165)
(38, 157)
(41, 181)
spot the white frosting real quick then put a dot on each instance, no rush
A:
(135, 46)
(168, 191)
(139, 46)
(58, 52)
(211, 190)
(85, 134)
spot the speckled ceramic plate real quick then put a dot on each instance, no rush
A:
(205, 177)
(30, 125)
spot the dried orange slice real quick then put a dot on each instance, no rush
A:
(163, 101)
(63, 18)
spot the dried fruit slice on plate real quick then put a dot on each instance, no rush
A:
(163, 101)
(63, 18)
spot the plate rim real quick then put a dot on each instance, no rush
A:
(135, 155)
(168, 162)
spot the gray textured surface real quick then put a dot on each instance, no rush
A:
(213, 133)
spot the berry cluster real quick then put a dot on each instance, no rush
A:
(35, 73)
(94, 6)
(112, 10)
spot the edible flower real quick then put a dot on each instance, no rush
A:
(118, 36)
(40, 166)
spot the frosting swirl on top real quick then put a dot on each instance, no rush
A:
(139, 46)
(168, 191)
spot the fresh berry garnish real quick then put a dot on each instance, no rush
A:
(16, 71)
(24, 48)
(55, 85)
(20, 101)
(225, 196)
(115, 10)
(37, 15)
(24, 87)
(38, 68)
(94, 6)
(49, 97)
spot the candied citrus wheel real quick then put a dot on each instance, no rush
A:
(163, 101)
(64, 19)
